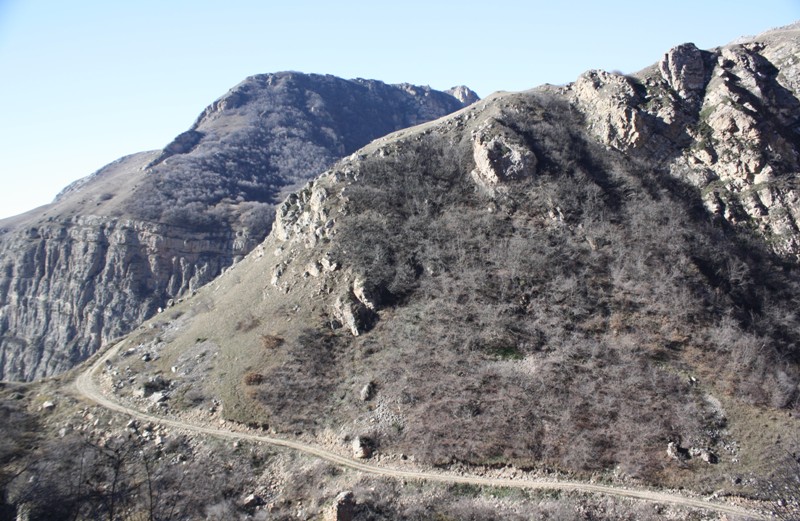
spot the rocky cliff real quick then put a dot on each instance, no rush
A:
(147, 229)
(724, 120)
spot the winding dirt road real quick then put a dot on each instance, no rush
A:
(86, 386)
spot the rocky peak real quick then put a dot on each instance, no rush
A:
(463, 94)
(684, 71)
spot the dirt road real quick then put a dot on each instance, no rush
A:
(87, 387)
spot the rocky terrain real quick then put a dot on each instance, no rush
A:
(152, 227)
(596, 281)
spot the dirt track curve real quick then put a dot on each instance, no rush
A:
(87, 387)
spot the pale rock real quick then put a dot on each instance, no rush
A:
(609, 104)
(500, 156)
(683, 69)
(328, 264)
(342, 509)
(464, 94)
(352, 313)
(367, 391)
(366, 293)
(362, 447)
(252, 501)
(677, 452)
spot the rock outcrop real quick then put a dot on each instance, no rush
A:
(500, 155)
(724, 121)
(119, 245)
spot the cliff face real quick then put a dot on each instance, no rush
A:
(122, 243)
(73, 285)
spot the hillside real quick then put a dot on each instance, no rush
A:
(528, 282)
(118, 245)
(596, 281)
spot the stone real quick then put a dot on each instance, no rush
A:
(463, 94)
(155, 383)
(500, 156)
(704, 454)
(684, 70)
(159, 397)
(367, 391)
(362, 447)
(353, 314)
(366, 293)
(676, 452)
(609, 102)
(342, 509)
(252, 501)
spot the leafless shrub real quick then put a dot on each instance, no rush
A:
(253, 378)
(271, 341)
(248, 323)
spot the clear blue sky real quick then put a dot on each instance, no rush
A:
(85, 82)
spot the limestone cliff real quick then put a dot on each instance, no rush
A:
(118, 245)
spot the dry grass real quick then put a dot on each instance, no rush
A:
(271, 341)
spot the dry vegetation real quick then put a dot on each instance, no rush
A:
(577, 322)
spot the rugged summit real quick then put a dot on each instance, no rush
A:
(596, 277)
(143, 231)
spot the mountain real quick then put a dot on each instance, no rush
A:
(594, 283)
(581, 278)
(152, 227)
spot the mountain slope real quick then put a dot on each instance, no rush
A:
(538, 280)
(116, 246)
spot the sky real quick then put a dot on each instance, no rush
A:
(83, 83)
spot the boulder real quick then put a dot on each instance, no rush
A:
(362, 447)
(367, 391)
(676, 452)
(342, 508)
(353, 314)
(500, 156)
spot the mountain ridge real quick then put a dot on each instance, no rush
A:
(146, 229)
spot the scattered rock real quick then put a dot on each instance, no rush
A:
(704, 454)
(48, 405)
(155, 384)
